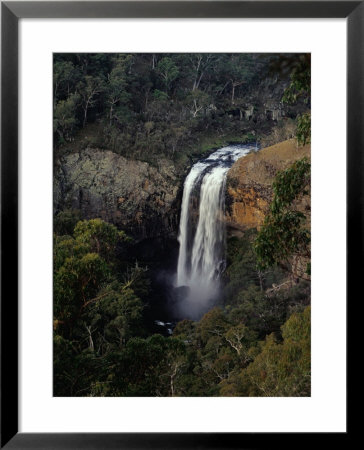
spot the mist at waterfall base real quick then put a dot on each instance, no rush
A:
(202, 234)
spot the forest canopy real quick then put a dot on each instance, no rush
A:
(147, 104)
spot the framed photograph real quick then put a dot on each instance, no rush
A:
(167, 168)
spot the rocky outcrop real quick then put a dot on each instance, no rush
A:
(249, 183)
(131, 194)
(249, 192)
(263, 106)
(144, 199)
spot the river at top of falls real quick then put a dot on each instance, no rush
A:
(201, 258)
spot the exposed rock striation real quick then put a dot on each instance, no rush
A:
(128, 193)
(249, 192)
(145, 199)
(249, 183)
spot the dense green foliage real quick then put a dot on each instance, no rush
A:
(300, 75)
(304, 129)
(278, 369)
(284, 233)
(300, 88)
(102, 346)
(148, 105)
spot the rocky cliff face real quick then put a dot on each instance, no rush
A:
(249, 191)
(249, 183)
(130, 194)
(145, 200)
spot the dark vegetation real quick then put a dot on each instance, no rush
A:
(256, 340)
(177, 105)
(285, 232)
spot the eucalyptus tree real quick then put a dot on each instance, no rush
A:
(168, 71)
(116, 85)
(89, 89)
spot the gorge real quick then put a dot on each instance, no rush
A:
(178, 224)
(181, 256)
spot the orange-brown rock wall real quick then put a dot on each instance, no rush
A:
(249, 183)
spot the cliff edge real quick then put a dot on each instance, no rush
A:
(249, 184)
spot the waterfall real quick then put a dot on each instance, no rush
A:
(202, 229)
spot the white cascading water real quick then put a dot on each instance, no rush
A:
(202, 229)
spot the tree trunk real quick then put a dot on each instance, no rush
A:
(85, 115)
(111, 112)
(91, 342)
(173, 375)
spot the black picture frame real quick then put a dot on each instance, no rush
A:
(11, 12)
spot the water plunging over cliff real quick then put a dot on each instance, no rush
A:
(202, 229)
